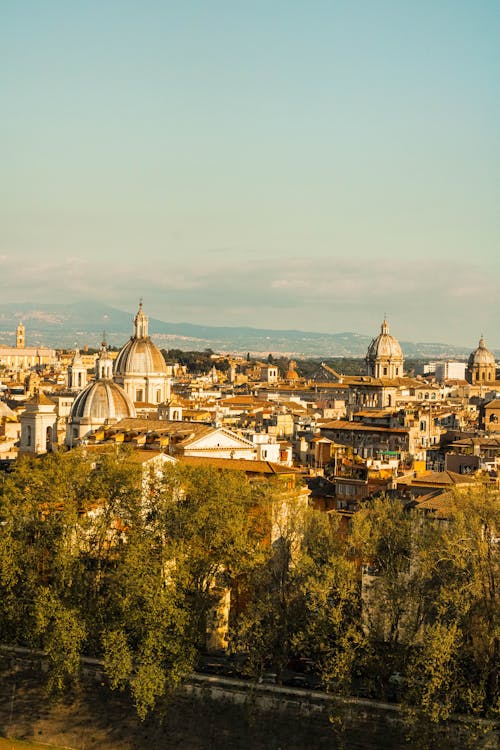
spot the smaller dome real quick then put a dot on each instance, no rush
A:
(100, 401)
(481, 355)
(384, 346)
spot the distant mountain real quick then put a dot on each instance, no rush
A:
(84, 322)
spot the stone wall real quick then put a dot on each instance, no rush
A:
(212, 713)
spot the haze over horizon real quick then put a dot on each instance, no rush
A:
(279, 165)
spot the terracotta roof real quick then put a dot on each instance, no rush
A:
(359, 427)
(40, 399)
(168, 426)
(238, 464)
(437, 478)
(440, 504)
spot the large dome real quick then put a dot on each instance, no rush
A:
(384, 346)
(102, 401)
(481, 355)
(140, 357)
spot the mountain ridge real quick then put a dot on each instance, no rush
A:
(79, 323)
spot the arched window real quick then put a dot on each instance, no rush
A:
(28, 436)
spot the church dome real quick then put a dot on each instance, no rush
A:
(481, 355)
(384, 346)
(140, 356)
(101, 401)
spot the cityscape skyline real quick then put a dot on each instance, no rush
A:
(283, 167)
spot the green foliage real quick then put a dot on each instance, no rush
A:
(96, 560)
(302, 600)
(434, 598)
(62, 635)
(196, 362)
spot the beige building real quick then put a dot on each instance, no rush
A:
(384, 358)
(481, 367)
(21, 357)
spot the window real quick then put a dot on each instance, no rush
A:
(385, 370)
(28, 435)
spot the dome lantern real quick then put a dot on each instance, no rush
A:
(141, 323)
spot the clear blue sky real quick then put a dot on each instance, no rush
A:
(281, 164)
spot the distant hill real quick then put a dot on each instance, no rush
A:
(84, 322)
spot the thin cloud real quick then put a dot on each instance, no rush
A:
(329, 294)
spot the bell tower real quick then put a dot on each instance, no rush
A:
(77, 373)
(20, 336)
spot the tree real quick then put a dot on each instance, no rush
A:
(196, 534)
(431, 607)
(301, 601)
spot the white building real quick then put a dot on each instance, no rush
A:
(449, 371)
(38, 425)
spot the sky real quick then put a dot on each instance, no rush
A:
(278, 164)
